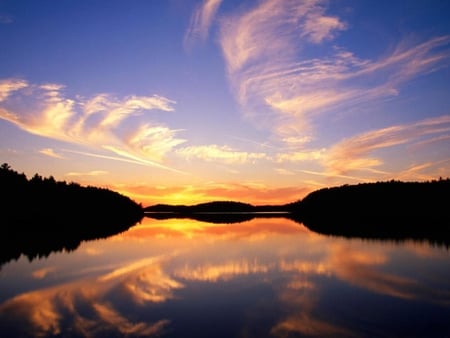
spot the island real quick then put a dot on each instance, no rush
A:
(215, 212)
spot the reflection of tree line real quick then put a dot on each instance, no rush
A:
(383, 210)
(41, 215)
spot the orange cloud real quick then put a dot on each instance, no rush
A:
(305, 324)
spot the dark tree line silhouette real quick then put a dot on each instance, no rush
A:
(41, 215)
(393, 210)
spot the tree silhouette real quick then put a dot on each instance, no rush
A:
(41, 215)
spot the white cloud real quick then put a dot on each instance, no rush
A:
(201, 21)
(154, 141)
(97, 123)
(281, 88)
(51, 153)
(214, 152)
(321, 27)
(355, 153)
(8, 86)
(299, 156)
(89, 173)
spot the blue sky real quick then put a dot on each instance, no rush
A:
(260, 101)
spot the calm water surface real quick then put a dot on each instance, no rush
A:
(261, 278)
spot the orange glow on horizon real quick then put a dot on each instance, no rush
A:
(191, 195)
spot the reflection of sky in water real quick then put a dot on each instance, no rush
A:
(266, 277)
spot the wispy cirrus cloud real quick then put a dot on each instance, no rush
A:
(89, 173)
(100, 122)
(51, 153)
(307, 155)
(286, 89)
(201, 21)
(356, 153)
(8, 86)
(218, 153)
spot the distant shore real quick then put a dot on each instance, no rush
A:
(382, 210)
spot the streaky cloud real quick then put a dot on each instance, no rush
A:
(8, 86)
(282, 88)
(354, 153)
(215, 152)
(96, 123)
(51, 153)
(89, 173)
(126, 159)
(201, 21)
(309, 155)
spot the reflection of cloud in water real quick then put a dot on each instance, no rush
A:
(259, 228)
(111, 317)
(306, 325)
(150, 285)
(126, 299)
(359, 268)
(84, 306)
(300, 296)
(42, 273)
(363, 268)
(305, 267)
(226, 271)
(93, 251)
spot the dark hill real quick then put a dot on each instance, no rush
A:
(214, 212)
(216, 206)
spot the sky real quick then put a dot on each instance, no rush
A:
(183, 101)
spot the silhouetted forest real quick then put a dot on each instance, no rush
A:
(41, 215)
(390, 210)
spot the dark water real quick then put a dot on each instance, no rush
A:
(261, 278)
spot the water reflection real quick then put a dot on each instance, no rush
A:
(262, 278)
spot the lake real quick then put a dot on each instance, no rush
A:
(267, 277)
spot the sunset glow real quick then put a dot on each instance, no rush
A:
(260, 101)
